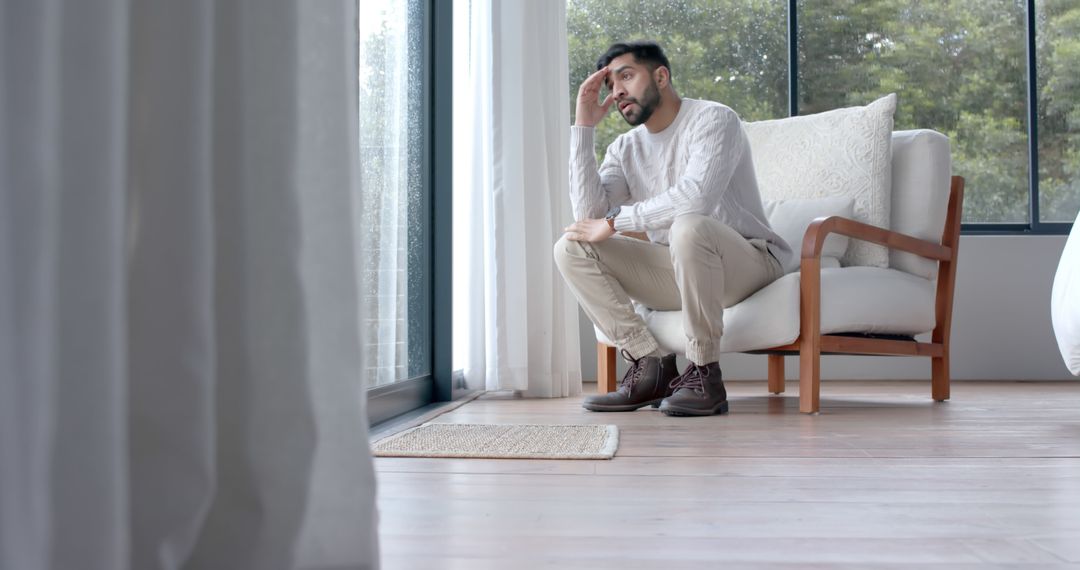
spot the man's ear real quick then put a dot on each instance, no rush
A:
(662, 76)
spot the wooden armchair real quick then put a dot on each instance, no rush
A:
(811, 343)
(837, 300)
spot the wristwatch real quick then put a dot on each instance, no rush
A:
(610, 217)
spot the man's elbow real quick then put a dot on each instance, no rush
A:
(588, 213)
(697, 204)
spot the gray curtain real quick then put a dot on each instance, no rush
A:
(179, 327)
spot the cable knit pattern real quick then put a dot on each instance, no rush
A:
(700, 164)
(845, 152)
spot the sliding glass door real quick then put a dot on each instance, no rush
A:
(399, 225)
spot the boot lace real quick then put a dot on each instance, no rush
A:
(633, 375)
(692, 379)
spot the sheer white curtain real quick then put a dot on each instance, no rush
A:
(516, 321)
(179, 326)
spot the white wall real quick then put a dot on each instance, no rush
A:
(1001, 322)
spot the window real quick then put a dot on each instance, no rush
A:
(404, 59)
(392, 148)
(1058, 55)
(957, 67)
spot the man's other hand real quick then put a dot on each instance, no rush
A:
(589, 230)
(589, 112)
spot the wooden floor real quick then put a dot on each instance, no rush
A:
(883, 478)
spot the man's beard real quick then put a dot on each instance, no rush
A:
(650, 101)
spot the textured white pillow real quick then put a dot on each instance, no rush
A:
(845, 152)
(790, 218)
(1065, 301)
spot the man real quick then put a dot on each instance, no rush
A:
(684, 176)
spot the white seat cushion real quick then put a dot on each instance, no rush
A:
(1065, 301)
(853, 299)
(844, 152)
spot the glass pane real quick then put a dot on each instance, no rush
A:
(730, 51)
(956, 67)
(393, 258)
(1057, 53)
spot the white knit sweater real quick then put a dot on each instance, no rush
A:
(699, 164)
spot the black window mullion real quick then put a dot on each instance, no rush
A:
(440, 117)
(793, 57)
(1033, 121)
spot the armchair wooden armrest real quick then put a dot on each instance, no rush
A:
(819, 229)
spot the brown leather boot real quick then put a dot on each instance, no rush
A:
(698, 392)
(647, 382)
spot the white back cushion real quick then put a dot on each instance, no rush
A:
(790, 218)
(1065, 301)
(844, 152)
(921, 173)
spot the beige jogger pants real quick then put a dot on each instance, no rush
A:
(708, 266)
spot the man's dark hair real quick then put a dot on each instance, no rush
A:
(647, 52)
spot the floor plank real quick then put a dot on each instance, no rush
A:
(884, 477)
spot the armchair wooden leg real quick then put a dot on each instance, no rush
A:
(810, 335)
(605, 368)
(810, 378)
(939, 377)
(776, 373)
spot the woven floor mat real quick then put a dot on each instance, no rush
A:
(495, 441)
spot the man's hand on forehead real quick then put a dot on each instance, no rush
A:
(609, 77)
(599, 76)
(589, 109)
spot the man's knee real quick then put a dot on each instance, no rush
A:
(687, 230)
(566, 251)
